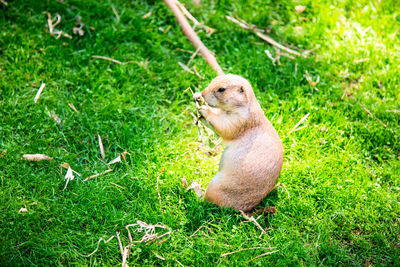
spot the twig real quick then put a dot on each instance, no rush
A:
(98, 244)
(262, 255)
(4, 2)
(394, 111)
(299, 123)
(101, 148)
(263, 36)
(115, 13)
(251, 219)
(192, 36)
(39, 92)
(113, 60)
(244, 249)
(97, 175)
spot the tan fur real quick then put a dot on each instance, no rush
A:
(252, 160)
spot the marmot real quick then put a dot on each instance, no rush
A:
(252, 159)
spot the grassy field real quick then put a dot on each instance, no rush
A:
(339, 193)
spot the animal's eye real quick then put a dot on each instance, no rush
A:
(220, 90)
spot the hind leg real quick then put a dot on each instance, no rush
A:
(215, 194)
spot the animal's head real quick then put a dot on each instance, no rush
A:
(228, 92)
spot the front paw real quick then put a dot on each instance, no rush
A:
(204, 111)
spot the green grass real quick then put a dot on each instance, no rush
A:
(338, 203)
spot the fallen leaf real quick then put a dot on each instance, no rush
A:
(3, 153)
(300, 9)
(123, 154)
(147, 15)
(36, 157)
(184, 182)
(101, 148)
(298, 29)
(23, 210)
(117, 159)
(64, 165)
(69, 176)
(78, 30)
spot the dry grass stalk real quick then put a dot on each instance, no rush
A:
(263, 36)
(299, 123)
(349, 94)
(53, 116)
(244, 249)
(310, 81)
(183, 66)
(150, 234)
(114, 60)
(264, 254)
(195, 232)
(197, 73)
(192, 57)
(147, 15)
(192, 36)
(97, 175)
(73, 107)
(193, 19)
(4, 2)
(158, 256)
(52, 23)
(39, 92)
(158, 190)
(69, 175)
(180, 263)
(101, 148)
(251, 219)
(117, 185)
(270, 56)
(357, 61)
(369, 112)
(36, 157)
(115, 13)
(394, 111)
(98, 244)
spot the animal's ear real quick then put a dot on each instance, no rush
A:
(244, 93)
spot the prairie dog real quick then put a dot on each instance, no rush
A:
(252, 160)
